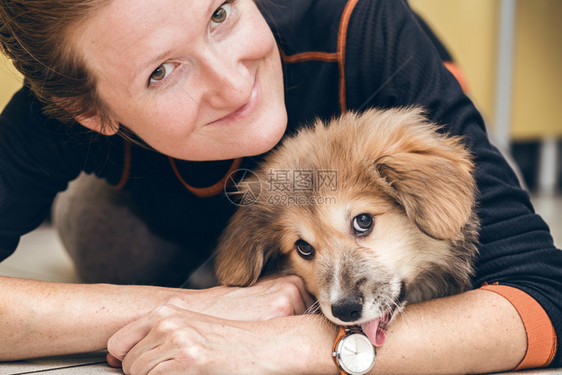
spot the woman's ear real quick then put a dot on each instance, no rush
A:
(95, 123)
(90, 120)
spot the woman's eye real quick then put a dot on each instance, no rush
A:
(160, 73)
(221, 14)
(362, 224)
(304, 249)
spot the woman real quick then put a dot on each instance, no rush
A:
(212, 82)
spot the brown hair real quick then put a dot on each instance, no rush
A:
(34, 34)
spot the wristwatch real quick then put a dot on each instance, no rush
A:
(353, 352)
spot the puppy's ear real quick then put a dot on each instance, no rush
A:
(244, 248)
(430, 176)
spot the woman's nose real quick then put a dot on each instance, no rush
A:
(229, 81)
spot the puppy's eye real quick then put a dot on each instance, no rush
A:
(362, 224)
(305, 249)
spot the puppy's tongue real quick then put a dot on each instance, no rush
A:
(375, 333)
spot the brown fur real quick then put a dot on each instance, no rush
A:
(393, 165)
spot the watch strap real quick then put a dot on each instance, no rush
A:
(342, 332)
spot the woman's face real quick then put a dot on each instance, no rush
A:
(195, 79)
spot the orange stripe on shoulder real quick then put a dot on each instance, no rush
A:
(126, 165)
(309, 56)
(342, 39)
(459, 75)
(541, 337)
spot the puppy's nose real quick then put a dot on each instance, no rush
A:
(348, 309)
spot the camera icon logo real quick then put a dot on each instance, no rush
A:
(242, 187)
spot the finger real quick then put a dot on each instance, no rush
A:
(165, 330)
(290, 294)
(146, 353)
(112, 361)
(127, 337)
(299, 301)
(307, 299)
(304, 302)
(146, 361)
(156, 349)
(137, 359)
(170, 367)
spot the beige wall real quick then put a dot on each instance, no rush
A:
(469, 29)
(537, 96)
(10, 81)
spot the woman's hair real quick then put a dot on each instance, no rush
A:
(35, 35)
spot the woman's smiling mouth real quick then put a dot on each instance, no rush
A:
(244, 111)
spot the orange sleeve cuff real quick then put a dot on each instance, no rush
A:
(541, 337)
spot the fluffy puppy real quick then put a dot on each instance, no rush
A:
(372, 210)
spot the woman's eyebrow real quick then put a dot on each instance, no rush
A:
(152, 62)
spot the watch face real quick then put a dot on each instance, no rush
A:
(356, 354)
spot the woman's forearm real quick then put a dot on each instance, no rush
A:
(474, 332)
(41, 318)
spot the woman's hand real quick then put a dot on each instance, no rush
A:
(223, 330)
(173, 340)
(271, 297)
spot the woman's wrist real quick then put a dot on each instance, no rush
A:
(301, 344)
